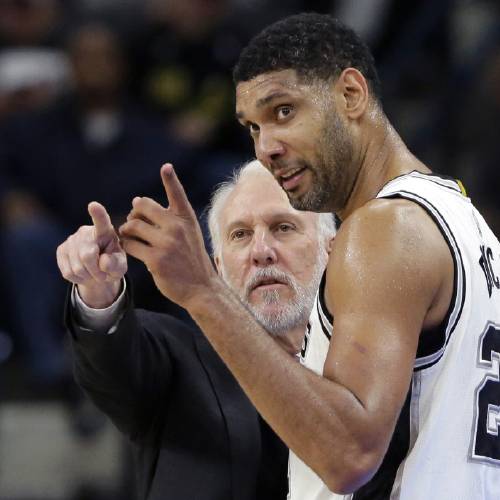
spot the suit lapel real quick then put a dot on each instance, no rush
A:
(240, 418)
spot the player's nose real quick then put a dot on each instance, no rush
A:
(268, 147)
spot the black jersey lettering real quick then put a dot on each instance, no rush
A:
(486, 263)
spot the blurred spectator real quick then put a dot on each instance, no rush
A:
(125, 16)
(183, 66)
(30, 22)
(90, 144)
(476, 148)
(33, 69)
(30, 78)
(413, 50)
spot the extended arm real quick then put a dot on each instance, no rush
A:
(126, 373)
(382, 289)
(123, 369)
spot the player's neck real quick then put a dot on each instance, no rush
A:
(384, 158)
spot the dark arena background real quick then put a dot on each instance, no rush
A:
(96, 94)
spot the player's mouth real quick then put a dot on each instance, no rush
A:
(290, 179)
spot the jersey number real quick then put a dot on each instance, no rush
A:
(486, 445)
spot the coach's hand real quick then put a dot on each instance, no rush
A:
(94, 260)
(169, 242)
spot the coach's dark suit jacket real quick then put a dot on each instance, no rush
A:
(196, 435)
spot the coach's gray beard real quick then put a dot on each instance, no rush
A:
(293, 311)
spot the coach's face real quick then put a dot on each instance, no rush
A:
(270, 253)
(299, 136)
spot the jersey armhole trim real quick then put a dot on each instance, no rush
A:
(443, 181)
(432, 343)
(324, 315)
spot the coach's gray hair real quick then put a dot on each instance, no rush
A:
(326, 222)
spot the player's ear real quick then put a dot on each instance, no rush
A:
(353, 92)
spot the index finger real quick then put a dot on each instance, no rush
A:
(177, 199)
(100, 219)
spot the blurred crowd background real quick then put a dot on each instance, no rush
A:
(96, 94)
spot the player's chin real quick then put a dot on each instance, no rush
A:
(299, 198)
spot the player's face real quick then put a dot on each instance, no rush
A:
(299, 136)
(270, 253)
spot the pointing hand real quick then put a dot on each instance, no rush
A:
(94, 260)
(169, 241)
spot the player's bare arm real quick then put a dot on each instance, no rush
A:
(317, 417)
(390, 276)
(92, 258)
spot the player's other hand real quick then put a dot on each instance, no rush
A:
(93, 259)
(169, 242)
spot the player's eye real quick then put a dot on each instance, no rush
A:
(253, 128)
(283, 111)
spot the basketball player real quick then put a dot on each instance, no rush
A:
(194, 432)
(398, 395)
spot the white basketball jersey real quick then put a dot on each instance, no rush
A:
(446, 445)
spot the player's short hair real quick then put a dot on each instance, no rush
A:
(326, 222)
(316, 46)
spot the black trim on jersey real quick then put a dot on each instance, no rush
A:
(338, 221)
(325, 310)
(380, 485)
(305, 342)
(431, 174)
(446, 178)
(324, 329)
(322, 309)
(441, 176)
(433, 340)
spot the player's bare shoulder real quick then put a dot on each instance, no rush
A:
(388, 244)
(391, 224)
